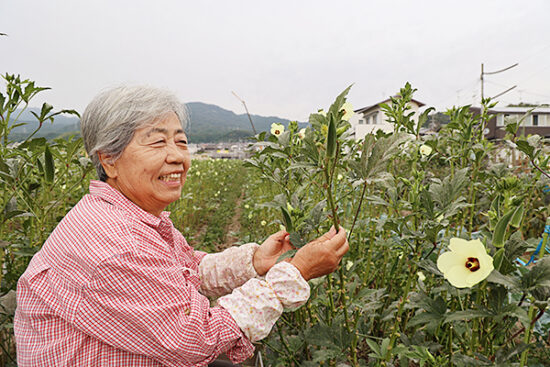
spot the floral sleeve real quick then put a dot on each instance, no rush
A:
(256, 305)
(222, 272)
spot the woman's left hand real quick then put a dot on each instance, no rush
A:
(267, 254)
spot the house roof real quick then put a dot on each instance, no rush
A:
(366, 109)
(522, 110)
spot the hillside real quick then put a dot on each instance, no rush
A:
(208, 123)
(212, 123)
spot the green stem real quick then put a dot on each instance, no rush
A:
(332, 310)
(527, 336)
(544, 240)
(285, 345)
(330, 200)
(401, 308)
(358, 209)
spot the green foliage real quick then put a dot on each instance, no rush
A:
(388, 303)
(401, 206)
(39, 182)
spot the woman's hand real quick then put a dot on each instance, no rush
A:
(267, 254)
(321, 256)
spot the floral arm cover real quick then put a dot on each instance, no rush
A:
(255, 304)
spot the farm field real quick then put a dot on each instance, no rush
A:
(439, 231)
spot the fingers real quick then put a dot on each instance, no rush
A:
(279, 236)
(342, 250)
(328, 235)
(337, 241)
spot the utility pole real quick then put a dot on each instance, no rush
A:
(498, 95)
(483, 72)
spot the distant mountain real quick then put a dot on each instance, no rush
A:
(62, 124)
(208, 123)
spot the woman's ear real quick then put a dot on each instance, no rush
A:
(108, 163)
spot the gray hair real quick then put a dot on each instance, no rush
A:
(109, 122)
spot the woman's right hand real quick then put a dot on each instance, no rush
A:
(321, 256)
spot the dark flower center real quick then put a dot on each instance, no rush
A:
(472, 264)
(277, 132)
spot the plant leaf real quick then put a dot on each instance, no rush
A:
(500, 229)
(49, 165)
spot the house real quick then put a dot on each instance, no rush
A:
(536, 120)
(369, 119)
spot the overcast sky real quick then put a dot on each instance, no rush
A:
(284, 58)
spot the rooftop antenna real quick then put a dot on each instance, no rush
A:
(246, 109)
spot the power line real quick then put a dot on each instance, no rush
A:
(483, 72)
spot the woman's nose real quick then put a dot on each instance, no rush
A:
(174, 153)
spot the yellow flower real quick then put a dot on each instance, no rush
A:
(339, 177)
(324, 130)
(466, 264)
(421, 276)
(425, 150)
(302, 133)
(322, 112)
(348, 111)
(246, 206)
(277, 129)
(263, 222)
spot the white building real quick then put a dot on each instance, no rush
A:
(369, 119)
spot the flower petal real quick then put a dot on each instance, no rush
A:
(448, 260)
(459, 276)
(459, 245)
(477, 248)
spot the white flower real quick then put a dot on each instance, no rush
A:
(246, 206)
(250, 216)
(466, 264)
(282, 228)
(302, 133)
(421, 276)
(425, 150)
(263, 223)
(349, 264)
(348, 111)
(339, 177)
(277, 129)
(322, 112)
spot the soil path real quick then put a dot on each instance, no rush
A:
(234, 227)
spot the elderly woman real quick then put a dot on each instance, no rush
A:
(116, 284)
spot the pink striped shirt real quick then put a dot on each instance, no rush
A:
(116, 286)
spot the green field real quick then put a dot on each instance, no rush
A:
(402, 197)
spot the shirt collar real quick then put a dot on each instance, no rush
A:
(113, 196)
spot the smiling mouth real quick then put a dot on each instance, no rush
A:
(173, 177)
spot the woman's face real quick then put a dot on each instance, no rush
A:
(152, 169)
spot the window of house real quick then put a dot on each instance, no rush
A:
(361, 121)
(500, 120)
(535, 120)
